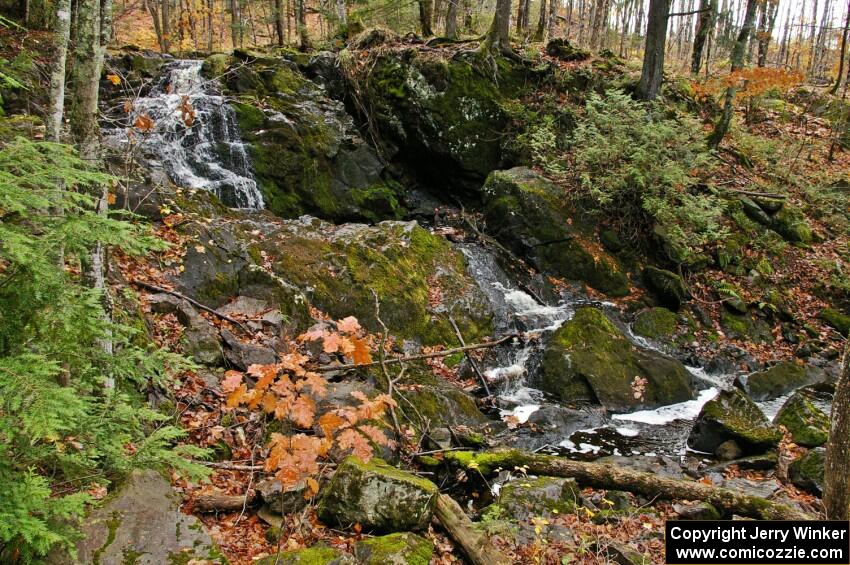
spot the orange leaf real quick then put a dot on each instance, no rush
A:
(330, 422)
(232, 379)
(302, 411)
(312, 488)
(357, 443)
(361, 354)
(348, 325)
(331, 343)
(114, 79)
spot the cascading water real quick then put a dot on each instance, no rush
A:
(204, 152)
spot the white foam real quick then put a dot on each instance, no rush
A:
(627, 432)
(687, 410)
(522, 412)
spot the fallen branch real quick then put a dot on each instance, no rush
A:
(420, 357)
(230, 466)
(469, 358)
(220, 502)
(195, 303)
(475, 544)
(608, 476)
(758, 194)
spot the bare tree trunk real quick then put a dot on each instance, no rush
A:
(451, 19)
(425, 17)
(94, 30)
(836, 496)
(341, 13)
(553, 17)
(278, 22)
(62, 33)
(522, 16)
(498, 38)
(653, 57)
(542, 22)
(722, 127)
(766, 30)
(157, 25)
(301, 21)
(812, 36)
(704, 25)
(600, 22)
(235, 23)
(843, 52)
(210, 30)
(165, 14)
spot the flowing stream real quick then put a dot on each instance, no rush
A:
(203, 151)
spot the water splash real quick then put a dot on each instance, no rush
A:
(208, 154)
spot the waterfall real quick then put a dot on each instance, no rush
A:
(207, 153)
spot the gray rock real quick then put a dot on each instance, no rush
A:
(669, 287)
(807, 471)
(778, 380)
(379, 497)
(143, 519)
(525, 497)
(278, 500)
(733, 415)
(808, 424)
(200, 338)
(317, 555)
(728, 450)
(697, 511)
(244, 305)
(243, 355)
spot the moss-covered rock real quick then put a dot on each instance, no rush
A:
(733, 415)
(336, 269)
(669, 286)
(317, 555)
(378, 496)
(807, 424)
(807, 471)
(776, 381)
(837, 320)
(745, 326)
(526, 212)
(588, 358)
(565, 51)
(655, 323)
(433, 109)
(394, 549)
(306, 152)
(525, 497)
(790, 223)
(440, 402)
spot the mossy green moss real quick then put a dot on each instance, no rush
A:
(655, 323)
(807, 424)
(837, 320)
(406, 548)
(316, 555)
(733, 415)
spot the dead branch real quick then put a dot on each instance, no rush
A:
(469, 358)
(193, 302)
(476, 545)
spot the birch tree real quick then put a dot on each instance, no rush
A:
(836, 496)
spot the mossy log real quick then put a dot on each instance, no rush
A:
(476, 545)
(613, 477)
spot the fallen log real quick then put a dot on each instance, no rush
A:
(220, 502)
(475, 544)
(193, 302)
(607, 476)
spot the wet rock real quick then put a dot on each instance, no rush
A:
(526, 213)
(278, 500)
(733, 415)
(588, 358)
(807, 471)
(441, 403)
(807, 424)
(242, 354)
(526, 497)
(317, 555)
(324, 69)
(669, 287)
(143, 519)
(760, 488)
(378, 496)
(394, 549)
(778, 380)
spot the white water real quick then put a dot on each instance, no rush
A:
(207, 154)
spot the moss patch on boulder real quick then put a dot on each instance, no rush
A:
(655, 323)
(779, 379)
(733, 415)
(400, 548)
(316, 555)
(526, 213)
(669, 286)
(806, 423)
(588, 358)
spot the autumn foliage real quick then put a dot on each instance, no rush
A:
(288, 391)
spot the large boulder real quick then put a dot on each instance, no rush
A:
(432, 109)
(143, 520)
(394, 549)
(655, 323)
(317, 555)
(732, 415)
(777, 380)
(291, 264)
(306, 152)
(526, 497)
(200, 339)
(526, 212)
(377, 496)
(669, 286)
(807, 424)
(588, 358)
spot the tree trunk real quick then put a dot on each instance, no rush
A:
(235, 23)
(738, 52)
(542, 21)
(600, 23)
(451, 19)
(766, 29)
(62, 33)
(609, 476)
(836, 496)
(94, 31)
(425, 17)
(475, 544)
(522, 16)
(704, 25)
(834, 89)
(165, 14)
(279, 24)
(341, 13)
(498, 38)
(210, 28)
(301, 22)
(653, 57)
(553, 17)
